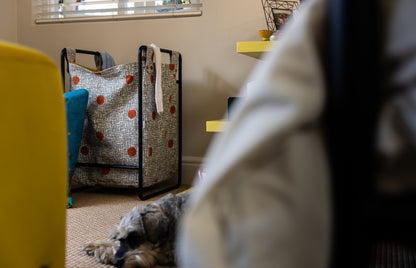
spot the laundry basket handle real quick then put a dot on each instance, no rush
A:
(64, 57)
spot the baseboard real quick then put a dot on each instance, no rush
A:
(190, 166)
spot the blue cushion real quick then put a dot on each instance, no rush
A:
(76, 107)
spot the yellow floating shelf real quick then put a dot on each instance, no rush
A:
(254, 48)
(215, 125)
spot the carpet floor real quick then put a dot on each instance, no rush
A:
(95, 212)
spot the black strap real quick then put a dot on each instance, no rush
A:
(352, 104)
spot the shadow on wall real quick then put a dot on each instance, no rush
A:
(202, 102)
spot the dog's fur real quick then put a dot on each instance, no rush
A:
(144, 237)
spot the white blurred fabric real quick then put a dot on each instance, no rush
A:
(265, 201)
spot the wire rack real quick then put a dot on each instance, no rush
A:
(277, 12)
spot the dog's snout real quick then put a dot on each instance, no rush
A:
(119, 256)
(118, 262)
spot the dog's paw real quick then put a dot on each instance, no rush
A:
(142, 257)
(102, 251)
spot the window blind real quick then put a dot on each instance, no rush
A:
(53, 11)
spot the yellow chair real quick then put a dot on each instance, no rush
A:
(33, 163)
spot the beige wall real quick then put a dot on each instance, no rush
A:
(212, 70)
(8, 20)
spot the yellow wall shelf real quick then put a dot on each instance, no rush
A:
(215, 125)
(254, 48)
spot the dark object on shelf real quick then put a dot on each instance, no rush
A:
(230, 102)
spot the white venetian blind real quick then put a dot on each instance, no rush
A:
(51, 11)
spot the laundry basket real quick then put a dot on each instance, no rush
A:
(127, 142)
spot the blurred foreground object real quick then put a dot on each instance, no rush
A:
(34, 162)
(316, 168)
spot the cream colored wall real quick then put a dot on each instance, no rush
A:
(212, 70)
(8, 21)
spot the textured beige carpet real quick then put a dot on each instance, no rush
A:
(95, 212)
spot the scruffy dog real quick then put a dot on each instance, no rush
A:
(144, 237)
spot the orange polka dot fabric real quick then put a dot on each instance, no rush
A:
(111, 127)
(161, 133)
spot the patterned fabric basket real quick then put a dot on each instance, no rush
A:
(116, 150)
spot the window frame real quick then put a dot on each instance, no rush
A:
(57, 11)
